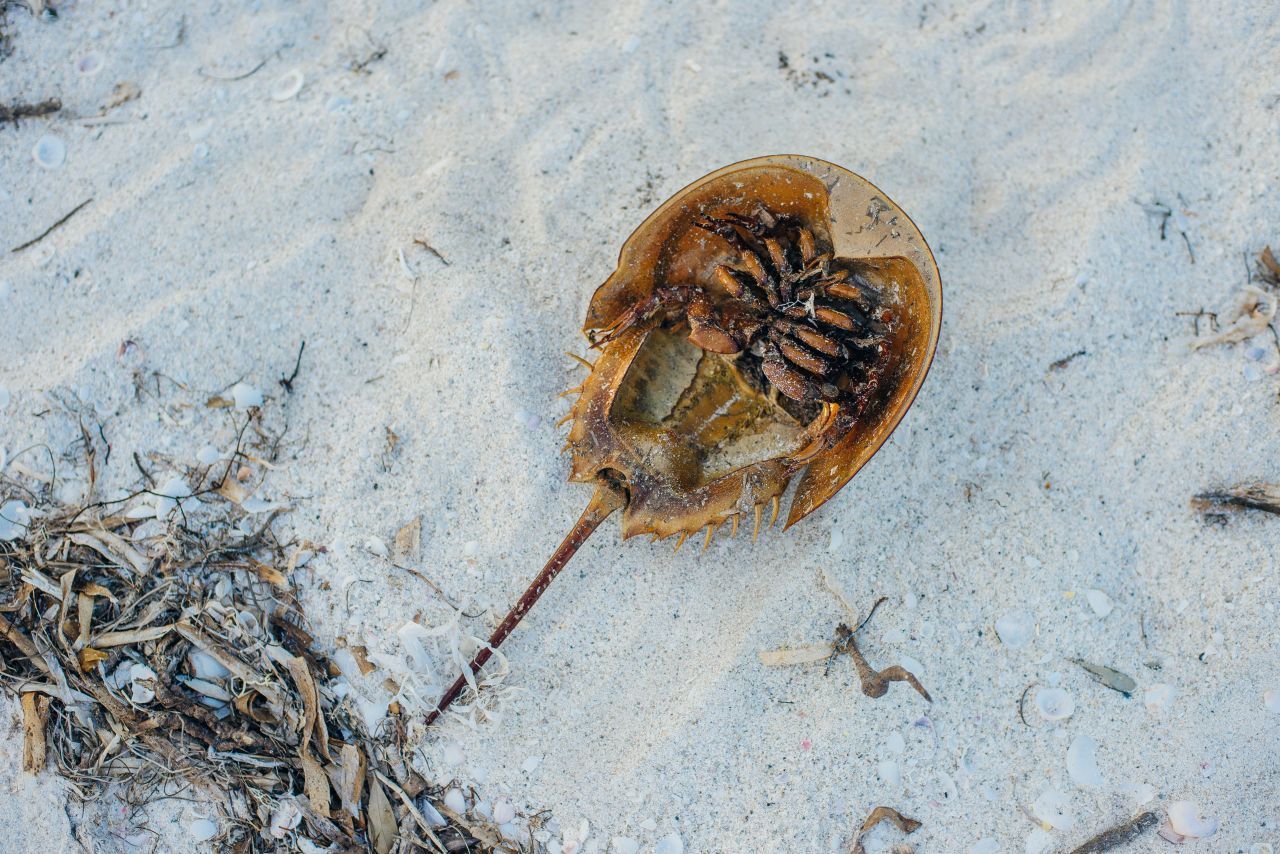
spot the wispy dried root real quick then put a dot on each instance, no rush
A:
(875, 683)
(1252, 314)
(1246, 496)
(879, 814)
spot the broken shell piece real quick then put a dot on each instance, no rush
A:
(49, 152)
(454, 800)
(1252, 314)
(286, 817)
(14, 519)
(1158, 696)
(245, 395)
(1054, 809)
(287, 85)
(202, 830)
(1099, 601)
(1038, 841)
(142, 680)
(1185, 819)
(1016, 628)
(1082, 763)
(1054, 704)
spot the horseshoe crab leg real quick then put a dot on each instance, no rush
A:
(607, 499)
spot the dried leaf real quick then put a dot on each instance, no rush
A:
(313, 720)
(815, 653)
(381, 821)
(879, 814)
(270, 574)
(35, 718)
(1270, 264)
(1113, 679)
(219, 402)
(114, 548)
(234, 491)
(315, 783)
(347, 778)
(89, 658)
(408, 543)
(151, 633)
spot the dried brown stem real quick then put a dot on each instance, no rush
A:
(875, 683)
(606, 500)
(1117, 836)
(1248, 496)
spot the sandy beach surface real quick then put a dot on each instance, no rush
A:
(268, 173)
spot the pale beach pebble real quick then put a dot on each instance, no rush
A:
(1185, 818)
(1015, 628)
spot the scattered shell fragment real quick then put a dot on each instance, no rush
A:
(208, 455)
(670, 844)
(1112, 678)
(624, 845)
(141, 683)
(1185, 819)
(1039, 840)
(376, 546)
(1156, 697)
(1252, 314)
(14, 519)
(49, 152)
(1270, 699)
(454, 800)
(1016, 628)
(287, 85)
(1054, 704)
(1054, 809)
(169, 496)
(503, 812)
(89, 64)
(1082, 763)
(202, 830)
(1099, 601)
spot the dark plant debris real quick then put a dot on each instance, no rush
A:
(875, 683)
(1112, 678)
(1116, 837)
(1066, 360)
(879, 814)
(177, 660)
(1268, 267)
(42, 235)
(287, 382)
(1246, 496)
(18, 110)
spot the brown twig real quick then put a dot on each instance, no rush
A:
(875, 683)
(42, 235)
(1246, 496)
(18, 111)
(1117, 836)
(1066, 360)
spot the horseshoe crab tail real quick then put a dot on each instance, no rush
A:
(608, 498)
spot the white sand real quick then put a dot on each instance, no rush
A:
(525, 145)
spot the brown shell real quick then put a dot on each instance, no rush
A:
(695, 445)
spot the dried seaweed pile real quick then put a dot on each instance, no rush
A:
(169, 653)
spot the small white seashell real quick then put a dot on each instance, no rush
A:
(1270, 699)
(895, 742)
(205, 666)
(1082, 763)
(1054, 809)
(470, 548)
(670, 844)
(208, 455)
(531, 764)
(286, 817)
(245, 395)
(1016, 628)
(170, 495)
(287, 85)
(1184, 817)
(14, 519)
(503, 812)
(1054, 704)
(412, 638)
(624, 845)
(837, 540)
(986, 845)
(453, 754)
(431, 814)
(376, 546)
(49, 152)
(89, 64)
(1099, 601)
(202, 830)
(454, 800)
(1156, 697)
(889, 773)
